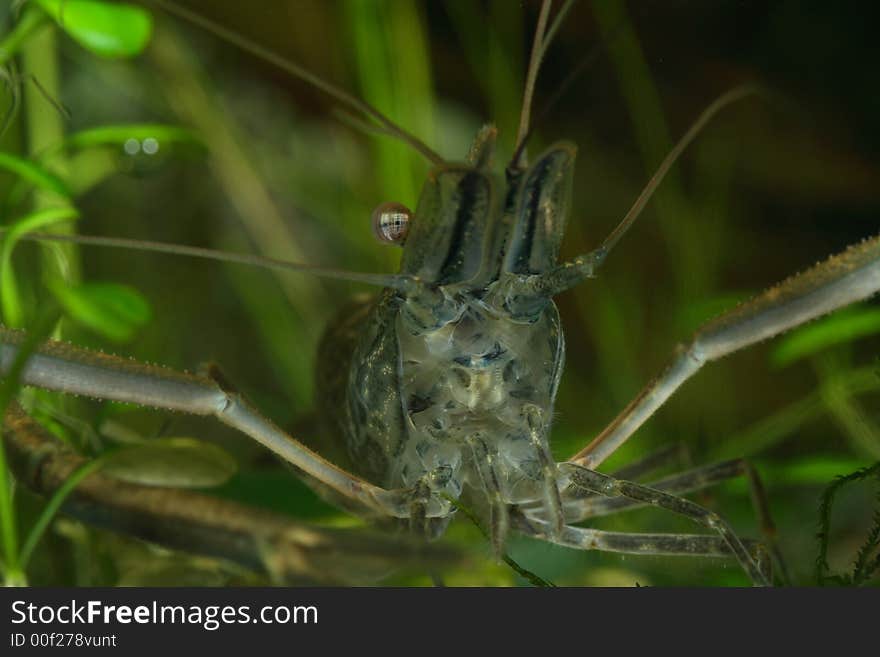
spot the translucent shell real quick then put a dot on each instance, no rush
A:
(391, 222)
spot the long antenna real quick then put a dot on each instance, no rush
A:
(720, 103)
(388, 126)
(531, 76)
(540, 44)
(585, 63)
(397, 281)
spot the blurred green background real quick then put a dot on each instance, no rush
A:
(773, 185)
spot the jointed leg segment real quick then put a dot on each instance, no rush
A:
(551, 499)
(65, 368)
(581, 504)
(606, 485)
(839, 281)
(585, 538)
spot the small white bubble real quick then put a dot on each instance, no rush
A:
(132, 146)
(151, 146)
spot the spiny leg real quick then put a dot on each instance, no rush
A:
(611, 487)
(587, 538)
(677, 452)
(278, 545)
(581, 504)
(65, 368)
(841, 280)
(632, 471)
(677, 484)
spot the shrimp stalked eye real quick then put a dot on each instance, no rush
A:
(391, 222)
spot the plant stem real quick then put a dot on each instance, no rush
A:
(30, 22)
(45, 130)
(13, 575)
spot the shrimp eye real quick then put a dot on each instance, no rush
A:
(391, 223)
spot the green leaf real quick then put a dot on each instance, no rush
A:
(118, 135)
(10, 301)
(112, 310)
(843, 326)
(172, 462)
(98, 150)
(34, 174)
(104, 28)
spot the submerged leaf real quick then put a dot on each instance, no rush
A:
(172, 462)
(104, 28)
(115, 311)
(120, 134)
(13, 312)
(34, 174)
